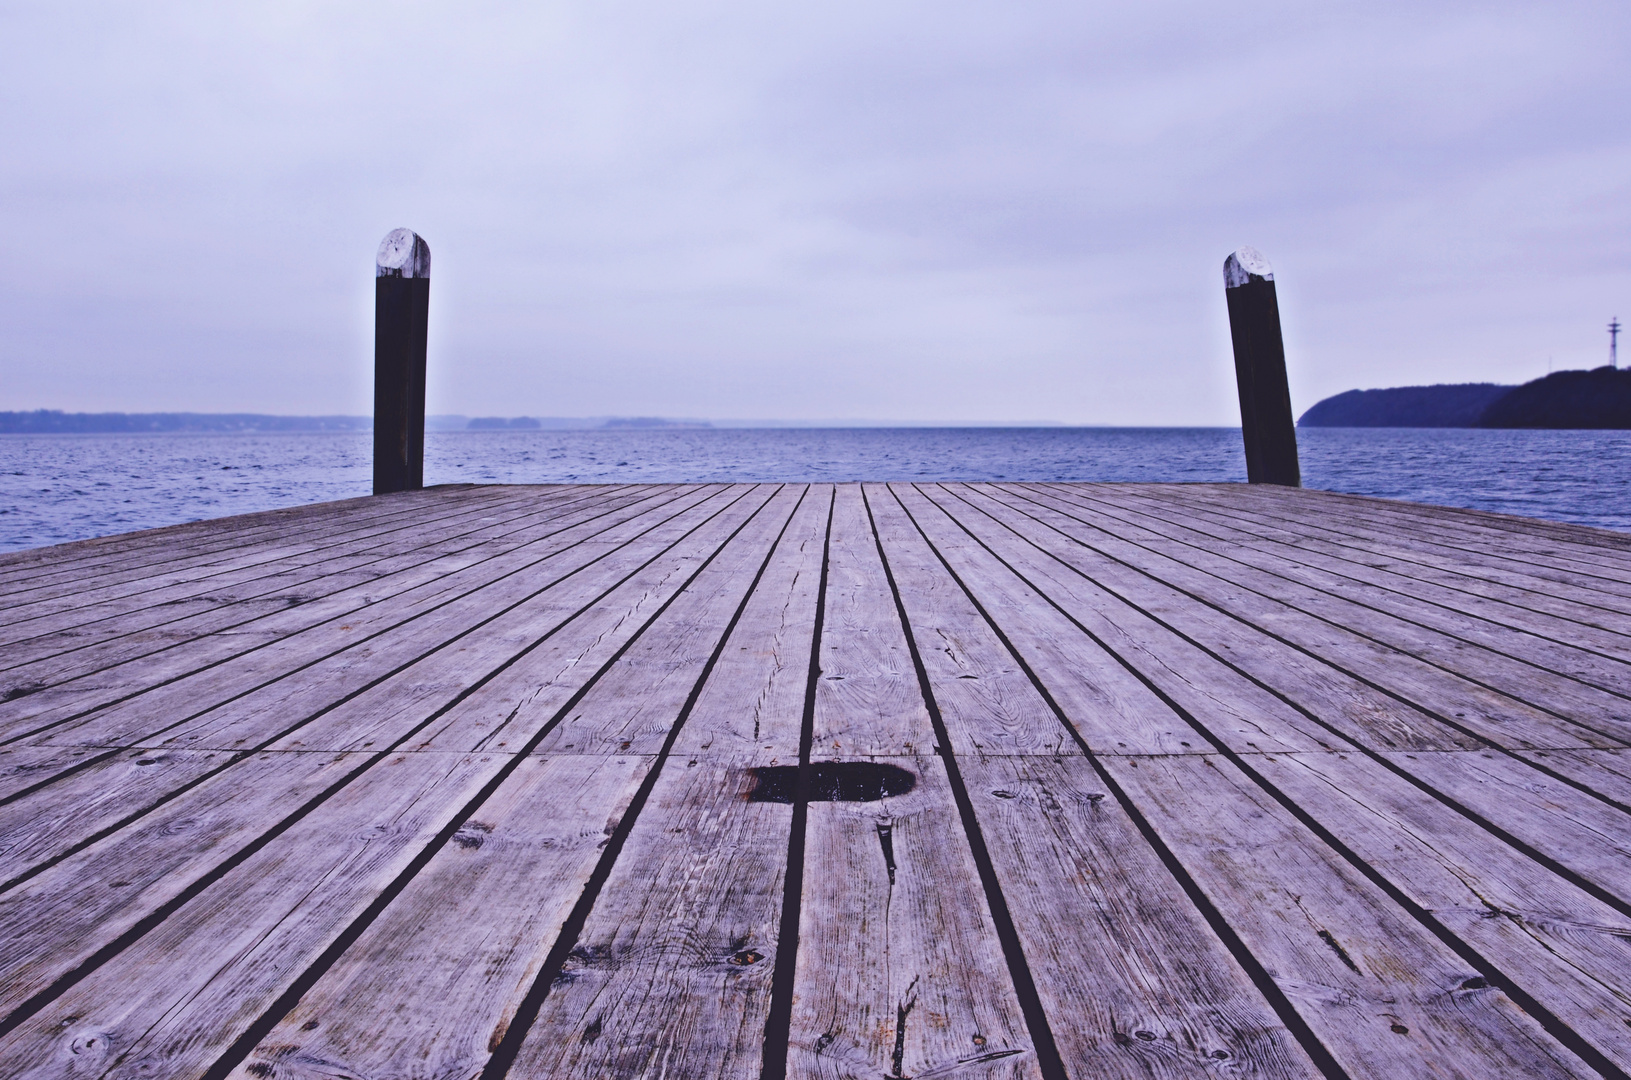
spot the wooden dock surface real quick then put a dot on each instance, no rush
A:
(882, 781)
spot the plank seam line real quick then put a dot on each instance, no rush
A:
(1171, 505)
(1553, 1026)
(1596, 539)
(526, 1013)
(344, 615)
(1293, 524)
(303, 568)
(85, 674)
(779, 1017)
(1287, 604)
(238, 756)
(1447, 800)
(1448, 722)
(92, 761)
(67, 980)
(327, 522)
(340, 534)
(139, 541)
(1482, 647)
(328, 530)
(1470, 521)
(1019, 969)
(1273, 995)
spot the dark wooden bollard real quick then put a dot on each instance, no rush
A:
(401, 318)
(1260, 370)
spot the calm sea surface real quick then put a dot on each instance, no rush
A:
(68, 487)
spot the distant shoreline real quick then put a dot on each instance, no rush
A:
(1599, 399)
(57, 422)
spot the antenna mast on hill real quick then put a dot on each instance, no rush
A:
(1614, 342)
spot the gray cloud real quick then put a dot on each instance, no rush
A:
(921, 211)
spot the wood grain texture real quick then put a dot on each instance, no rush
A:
(1207, 780)
(1544, 934)
(673, 970)
(299, 636)
(1582, 683)
(1375, 985)
(1432, 535)
(1397, 566)
(1253, 719)
(383, 717)
(390, 627)
(1100, 916)
(101, 633)
(429, 988)
(1189, 600)
(896, 975)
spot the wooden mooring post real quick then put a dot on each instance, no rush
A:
(401, 320)
(1260, 370)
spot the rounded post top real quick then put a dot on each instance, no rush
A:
(1243, 265)
(403, 253)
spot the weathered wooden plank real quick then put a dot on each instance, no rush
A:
(673, 968)
(1134, 980)
(165, 563)
(239, 991)
(1248, 717)
(430, 578)
(172, 573)
(189, 681)
(45, 661)
(22, 766)
(1316, 563)
(62, 817)
(190, 601)
(897, 975)
(1245, 890)
(676, 657)
(119, 787)
(1500, 589)
(1210, 818)
(461, 1020)
(1604, 772)
(1423, 538)
(672, 971)
(293, 607)
(18, 567)
(1188, 601)
(770, 651)
(1560, 821)
(170, 999)
(430, 986)
(1562, 947)
(1568, 992)
(1562, 676)
(867, 700)
(1374, 984)
(1478, 529)
(60, 919)
(1001, 713)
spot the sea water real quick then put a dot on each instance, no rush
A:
(55, 488)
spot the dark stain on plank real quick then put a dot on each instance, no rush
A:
(832, 781)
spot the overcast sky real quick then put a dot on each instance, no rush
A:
(716, 208)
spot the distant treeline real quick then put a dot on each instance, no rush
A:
(54, 421)
(1600, 398)
(555, 423)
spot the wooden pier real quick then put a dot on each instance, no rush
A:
(882, 781)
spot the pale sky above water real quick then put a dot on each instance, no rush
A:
(963, 211)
